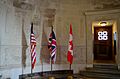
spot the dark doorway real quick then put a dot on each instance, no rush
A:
(103, 43)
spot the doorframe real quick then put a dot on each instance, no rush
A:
(109, 24)
(93, 16)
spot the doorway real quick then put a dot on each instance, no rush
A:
(103, 44)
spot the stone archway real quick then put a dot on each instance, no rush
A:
(99, 16)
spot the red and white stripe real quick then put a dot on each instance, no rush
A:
(33, 49)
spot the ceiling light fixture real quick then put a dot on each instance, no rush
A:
(103, 23)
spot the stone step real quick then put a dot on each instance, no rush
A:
(105, 66)
(99, 75)
(106, 71)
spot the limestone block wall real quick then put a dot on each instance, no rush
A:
(15, 34)
(69, 13)
(10, 40)
(14, 41)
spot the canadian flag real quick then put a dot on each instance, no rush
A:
(70, 47)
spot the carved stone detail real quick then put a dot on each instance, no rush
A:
(106, 4)
(23, 4)
(49, 15)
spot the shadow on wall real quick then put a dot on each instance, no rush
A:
(24, 47)
(45, 53)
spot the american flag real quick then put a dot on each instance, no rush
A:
(33, 47)
(52, 46)
(70, 47)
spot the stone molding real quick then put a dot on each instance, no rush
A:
(97, 12)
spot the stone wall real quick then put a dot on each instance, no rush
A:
(15, 22)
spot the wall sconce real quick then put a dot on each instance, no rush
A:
(103, 23)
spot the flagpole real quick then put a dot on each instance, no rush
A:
(42, 66)
(31, 65)
(70, 66)
(51, 52)
(70, 48)
(31, 57)
(52, 47)
(51, 64)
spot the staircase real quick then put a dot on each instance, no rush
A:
(105, 71)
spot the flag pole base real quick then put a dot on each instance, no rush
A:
(70, 77)
(51, 77)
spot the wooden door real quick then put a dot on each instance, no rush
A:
(103, 43)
